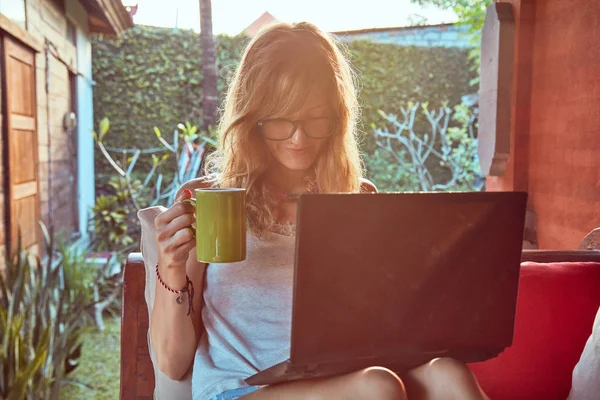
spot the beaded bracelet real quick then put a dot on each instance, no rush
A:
(189, 288)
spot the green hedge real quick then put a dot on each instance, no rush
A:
(152, 77)
(391, 75)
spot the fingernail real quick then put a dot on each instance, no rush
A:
(187, 193)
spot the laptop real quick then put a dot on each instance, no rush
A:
(398, 279)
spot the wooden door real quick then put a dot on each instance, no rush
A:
(20, 109)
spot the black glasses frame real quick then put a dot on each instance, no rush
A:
(297, 123)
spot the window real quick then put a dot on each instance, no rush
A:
(71, 33)
(15, 11)
(73, 91)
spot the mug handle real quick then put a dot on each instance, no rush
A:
(192, 201)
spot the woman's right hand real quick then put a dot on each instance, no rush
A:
(174, 235)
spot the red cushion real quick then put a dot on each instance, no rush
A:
(556, 306)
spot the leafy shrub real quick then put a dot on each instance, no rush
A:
(442, 158)
(152, 76)
(41, 312)
(130, 188)
(44, 306)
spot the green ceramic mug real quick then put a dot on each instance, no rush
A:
(220, 225)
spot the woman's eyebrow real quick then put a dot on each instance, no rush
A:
(309, 110)
(317, 107)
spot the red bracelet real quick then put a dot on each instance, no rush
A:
(189, 288)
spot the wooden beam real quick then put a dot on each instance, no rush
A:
(107, 16)
(554, 256)
(495, 88)
(23, 122)
(137, 371)
(25, 190)
(117, 15)
(20, 34)
(99, 25)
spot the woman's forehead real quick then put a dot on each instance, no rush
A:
(316, 100)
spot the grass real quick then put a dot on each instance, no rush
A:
(97, 376)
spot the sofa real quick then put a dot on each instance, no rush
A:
(559, 295)
(556, 305)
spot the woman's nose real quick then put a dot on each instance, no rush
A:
(298, 137)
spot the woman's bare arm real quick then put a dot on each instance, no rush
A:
(173, 332)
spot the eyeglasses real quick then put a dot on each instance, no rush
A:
(283, 129)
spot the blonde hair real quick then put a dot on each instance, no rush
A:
(285, 59)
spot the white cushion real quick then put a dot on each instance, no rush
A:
(586, 375)
(165, 387)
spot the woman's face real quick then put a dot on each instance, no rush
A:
(300, 151)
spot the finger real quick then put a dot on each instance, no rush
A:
(175, 211)
(169, 215)
(180, 237)
(186, 194)
(181, 222)
(184, 250)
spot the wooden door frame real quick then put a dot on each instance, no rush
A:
(6, 226)
(5, 128)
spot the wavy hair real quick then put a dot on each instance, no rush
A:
(278, 70)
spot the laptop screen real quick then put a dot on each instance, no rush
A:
(383, 273)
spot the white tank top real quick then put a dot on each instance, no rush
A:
(247, 316)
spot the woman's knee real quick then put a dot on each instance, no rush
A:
(450, 369)
(379, 383)
(449, 373)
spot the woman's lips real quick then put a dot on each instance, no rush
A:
(298, 151)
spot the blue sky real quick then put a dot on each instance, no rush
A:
(232, 16)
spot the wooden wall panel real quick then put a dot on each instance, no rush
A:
(564, 142)
(555, 139)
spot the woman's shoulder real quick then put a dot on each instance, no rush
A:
(196, 183)
(366, 186)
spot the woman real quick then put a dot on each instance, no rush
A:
(289, 126)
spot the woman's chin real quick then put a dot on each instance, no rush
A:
(297, 166)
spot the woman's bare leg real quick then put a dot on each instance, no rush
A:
(442, 378)
(370, 383)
